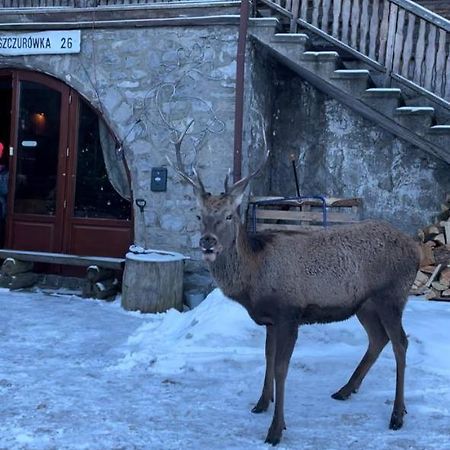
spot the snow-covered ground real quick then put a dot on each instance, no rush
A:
(83, 374)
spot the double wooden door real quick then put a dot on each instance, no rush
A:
(59, 196)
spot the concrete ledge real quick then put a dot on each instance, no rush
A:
(139, 15)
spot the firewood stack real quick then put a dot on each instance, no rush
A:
(100, 283)
(433, 278)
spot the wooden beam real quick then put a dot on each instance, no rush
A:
(63, 259)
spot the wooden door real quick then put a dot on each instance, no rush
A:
(37, 170)
(60, 198)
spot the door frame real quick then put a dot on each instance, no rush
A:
(64, 220)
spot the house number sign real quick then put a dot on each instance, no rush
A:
(40, 43)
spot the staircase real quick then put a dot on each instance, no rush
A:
(394, 72)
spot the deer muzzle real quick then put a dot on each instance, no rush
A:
(210, 247)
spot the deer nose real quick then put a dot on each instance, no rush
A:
(207, 242)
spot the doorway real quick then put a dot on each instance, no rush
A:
(59, 196)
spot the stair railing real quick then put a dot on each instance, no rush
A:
(398, 37)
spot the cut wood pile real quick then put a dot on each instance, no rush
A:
(433, 278)
(17, 274)
(100, 283)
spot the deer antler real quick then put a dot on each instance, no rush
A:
(179, 167)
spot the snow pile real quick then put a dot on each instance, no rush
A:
(175, 342)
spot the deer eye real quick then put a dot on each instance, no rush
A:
(229, 217)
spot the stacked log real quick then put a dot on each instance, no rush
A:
(15, 274)
(433, 278)
(100, 283)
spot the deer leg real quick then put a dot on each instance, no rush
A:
(286, 336)
(377, 341)
(267, 392)
(397, 335)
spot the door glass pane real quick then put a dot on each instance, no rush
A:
(37, 149)
(95, 197)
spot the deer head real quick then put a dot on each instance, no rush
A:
(219, 217)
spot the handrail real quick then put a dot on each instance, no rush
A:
(407, 40)
(424, 13)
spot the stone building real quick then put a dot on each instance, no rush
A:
(142, 72)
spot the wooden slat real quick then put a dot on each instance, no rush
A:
(398, 44)
(312, 216)
(346, 13)
(356, 11)
(337, 4)
(63, 258)
(284, 227)
(295, 12)
(430, 57)
(393, 14)
(447, 78)
(440, 64)
(373, 29)
(364, 28)
(304, 10)
(419, 53)
(315, 14)
(384, 32)
(408, 47)
(326, 4)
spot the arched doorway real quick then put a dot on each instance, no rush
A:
(59, 196)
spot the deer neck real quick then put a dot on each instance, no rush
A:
(230, 269)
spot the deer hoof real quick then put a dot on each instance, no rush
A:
(340, 396)
(258, 409)
(397, 420)
(261, 406)
(274, 434)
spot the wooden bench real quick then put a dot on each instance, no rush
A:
(16, 270)
(301, 213)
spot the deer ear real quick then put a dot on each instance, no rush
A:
(237, 192)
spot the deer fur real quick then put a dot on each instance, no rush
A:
(285, 280)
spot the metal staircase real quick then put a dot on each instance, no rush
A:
(382, 95)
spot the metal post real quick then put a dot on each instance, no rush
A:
(239, 100)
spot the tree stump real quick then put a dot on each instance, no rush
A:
(153, 281)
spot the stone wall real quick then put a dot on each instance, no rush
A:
(148, 83)
(340, 154)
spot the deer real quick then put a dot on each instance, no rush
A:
(285, 280)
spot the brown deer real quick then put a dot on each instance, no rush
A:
(285, 280)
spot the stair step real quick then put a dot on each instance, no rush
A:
(294, 38)
(415, 110)
(384, 92)
(322, 64)
(384, 100)
(320, 56)
(440, 129)
(417, 118)
(352, 81)
(351, 73)
(263, 29)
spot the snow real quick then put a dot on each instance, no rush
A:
(138, 253)
(84, 374)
